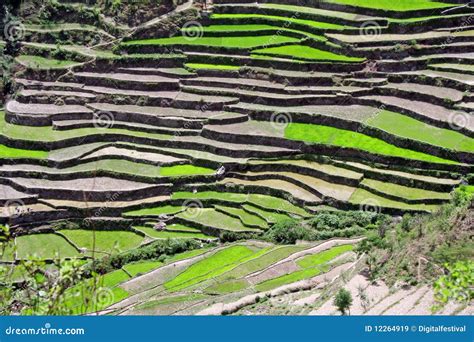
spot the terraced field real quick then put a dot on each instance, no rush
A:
(248, 115)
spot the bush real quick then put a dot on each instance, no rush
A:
(153, 250)
(287, 232)
(454, 251)
(405, 224)
(343, 301)
(461, 196)
(372, 241)
(228, 236)
(344, 219)
(457, 284)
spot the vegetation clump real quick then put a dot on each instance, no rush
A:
(418, 248)
(325, 225)
(155, 250)
(343, 301)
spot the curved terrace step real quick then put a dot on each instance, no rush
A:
(127, 81)
(94, 189)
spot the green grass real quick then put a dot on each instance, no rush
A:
(105, 241)
(112, 294)
(270, 216)
(48, 134)
(276, 204)
(182, 228)
(207, 195)
(114, 278)
(269, 258)
(210, 267)
(37, 62)
(44, 246)
(272, 58)
(257, 27)
(211, 66)
(398, 5)
(344, 138)
(311, 265)
(246, 218)
(118, 166)
(246, 42)
(186, 255)
(324, 256)
(306, 52)
(166, 209)
(172, 235)
(212, 218)
(238, 28)
(404, 126)
(227, 287)
(404, 191)
(364, 197)
(184, 170)
(287, 279)
(170, 300)
(283, 20)
(141, 267)
(10, 152)
(268, 202)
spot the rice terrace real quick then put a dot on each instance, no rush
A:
(233, 157)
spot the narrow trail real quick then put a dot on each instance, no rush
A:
(157, 20)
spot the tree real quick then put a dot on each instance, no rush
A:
(343, 301)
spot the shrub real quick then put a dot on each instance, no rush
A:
(344, 219)
(287, 232)
(343, 301)
(405, 224)
(228, 236)
(461, 196)
(457, 284)
(153, 250)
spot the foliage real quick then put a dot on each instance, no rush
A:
(325, 225)
(32, 287)
(414, 249)
(344, 219)
(152, 251)
(343, 301)
(457, 285)
(287, 232)
(462, 196)
(229, 236)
